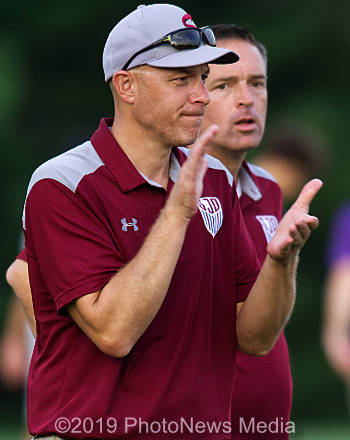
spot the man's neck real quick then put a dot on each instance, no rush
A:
(147, 156)
(231, 159)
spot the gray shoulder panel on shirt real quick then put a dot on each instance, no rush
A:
(260, 172)
(212, 163)
(68, 168)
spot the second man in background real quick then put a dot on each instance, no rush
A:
(238, 94)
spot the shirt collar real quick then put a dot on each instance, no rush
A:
(113, 156)
(247, 184)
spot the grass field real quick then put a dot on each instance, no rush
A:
(305, 432)
(322, 432)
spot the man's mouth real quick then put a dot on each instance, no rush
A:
(194, 115)
(245, 124)
(243, 121)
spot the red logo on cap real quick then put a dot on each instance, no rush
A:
(187, 21)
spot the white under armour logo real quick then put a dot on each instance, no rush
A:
(126, 225)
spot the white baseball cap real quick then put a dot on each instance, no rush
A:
(147, 25)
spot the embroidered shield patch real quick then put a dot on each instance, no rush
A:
(269, 224)
(212, 215)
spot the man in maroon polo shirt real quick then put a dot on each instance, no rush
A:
(238, 93)
(138, 255)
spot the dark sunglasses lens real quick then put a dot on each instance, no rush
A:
(186, 39)
(208, 37)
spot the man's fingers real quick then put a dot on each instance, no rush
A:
(199, 147)
(313, 222)
(307, 194)
(302, 229)
(292, 237)
(307, 222)
(198, 150)
(303, 234)
(203, 168)
(207, 135)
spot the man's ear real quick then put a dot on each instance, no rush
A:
(123, 84)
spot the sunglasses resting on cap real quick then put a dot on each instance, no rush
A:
(182, 39)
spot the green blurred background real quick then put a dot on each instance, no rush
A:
(52, 95)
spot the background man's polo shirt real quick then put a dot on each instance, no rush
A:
(261, 202)
(263, 385)
(86, 215)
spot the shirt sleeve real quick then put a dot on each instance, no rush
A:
(339, 237)
(22, 255)
(70, 244)
(246, 261)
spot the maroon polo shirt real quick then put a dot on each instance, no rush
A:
(22, 255)
(87, 213)
(263, 385)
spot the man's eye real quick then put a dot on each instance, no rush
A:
(222, 86)
(258, 84)
(180, 79)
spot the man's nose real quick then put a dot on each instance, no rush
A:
(200, 94)
(243, 96)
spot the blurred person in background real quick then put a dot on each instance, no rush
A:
(336, 328)
(12, 347)
(17, 342)
(18, 279)
(16, 346)
(238, 94)
(292, 156)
